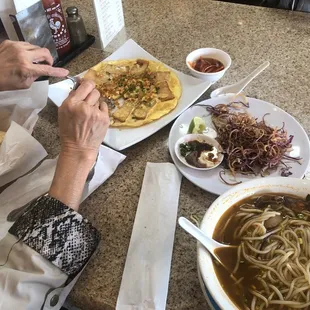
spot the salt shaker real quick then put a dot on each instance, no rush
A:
(76, 26)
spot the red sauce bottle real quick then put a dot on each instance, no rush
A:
(57, 22)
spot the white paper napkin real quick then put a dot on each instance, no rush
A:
(147, 269)
(19, 109)
(23, 106)
(19, 153)
(39, 181)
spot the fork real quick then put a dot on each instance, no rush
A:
(76, 81)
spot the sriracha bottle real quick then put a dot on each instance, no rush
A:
(57, 22)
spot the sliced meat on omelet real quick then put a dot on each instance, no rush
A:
(142, 110)
(164, 92)
(116, 70)
(161, 76)
(125, 110)
(98, 77)
(139, 68)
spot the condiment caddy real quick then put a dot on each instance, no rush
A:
(44, 24)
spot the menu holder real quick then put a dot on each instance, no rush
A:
(110, 19)
(24, 22)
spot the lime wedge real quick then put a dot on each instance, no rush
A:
(197, 125)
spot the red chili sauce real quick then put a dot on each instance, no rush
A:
(207, 65)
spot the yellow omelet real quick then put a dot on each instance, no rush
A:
(137, 91)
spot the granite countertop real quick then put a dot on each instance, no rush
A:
(170, 29)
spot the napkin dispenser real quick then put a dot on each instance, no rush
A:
(31, 25)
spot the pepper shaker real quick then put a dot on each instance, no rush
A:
(76, 26)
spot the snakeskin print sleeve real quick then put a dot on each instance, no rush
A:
(58, 233)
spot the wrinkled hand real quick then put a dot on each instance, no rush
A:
(18, 68)
(83, 122)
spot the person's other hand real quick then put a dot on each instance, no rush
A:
(83, 122)
(19, 66)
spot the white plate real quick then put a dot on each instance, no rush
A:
(209, 180)
(119, 139)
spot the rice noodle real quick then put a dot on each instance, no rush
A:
(238, 260)
(282, 256)
(258, 295)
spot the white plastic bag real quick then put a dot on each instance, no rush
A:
(19, 151)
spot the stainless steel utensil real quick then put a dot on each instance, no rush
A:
(76, 81)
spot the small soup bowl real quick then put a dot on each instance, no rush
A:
(201, 138)
(214, 53)
(213, 291)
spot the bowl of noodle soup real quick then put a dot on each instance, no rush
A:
(268, 220)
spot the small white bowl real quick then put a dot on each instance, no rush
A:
(210, 53)
(202, 138)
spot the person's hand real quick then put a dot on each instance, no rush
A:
(83, 121)
(19, 66)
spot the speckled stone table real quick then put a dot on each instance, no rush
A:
(170, 29)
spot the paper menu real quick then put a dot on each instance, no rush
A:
(110, 19)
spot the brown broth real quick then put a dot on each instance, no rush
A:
(239, 293)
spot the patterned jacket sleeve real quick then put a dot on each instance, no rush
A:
(58, 233)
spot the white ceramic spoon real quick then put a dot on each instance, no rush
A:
(210, 244)
(239, 86)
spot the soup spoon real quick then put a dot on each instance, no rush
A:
(239, 86)
(210, 244)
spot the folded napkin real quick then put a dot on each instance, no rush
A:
(147, 269)
(39, 181)
(23, 106)
(19, 151)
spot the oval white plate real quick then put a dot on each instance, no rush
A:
(210, 180)
(200, 137)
